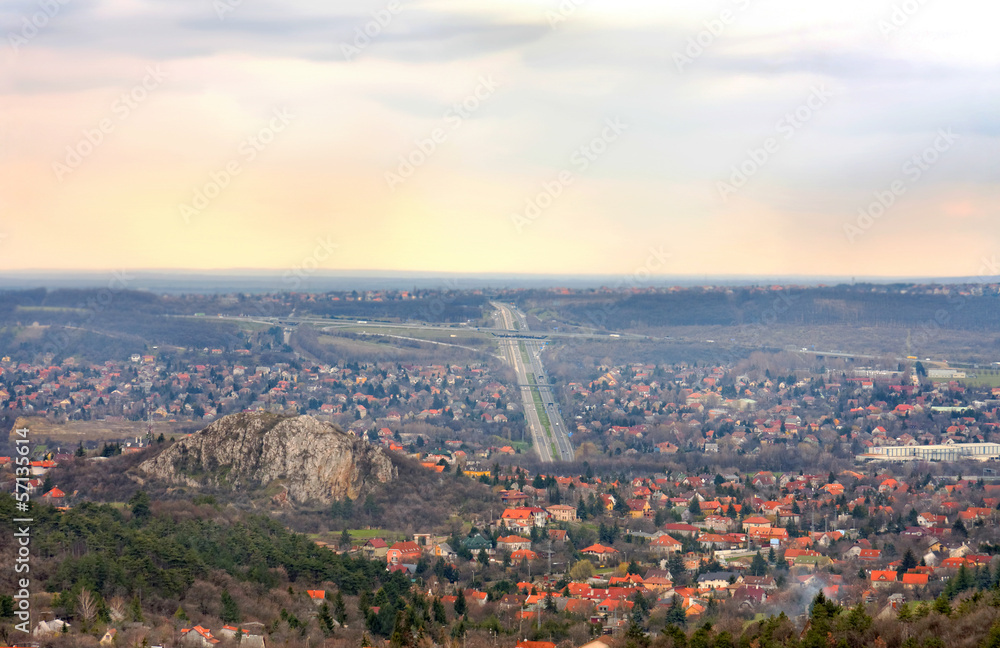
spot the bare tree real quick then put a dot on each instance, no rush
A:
(116, 607)
(86, 606)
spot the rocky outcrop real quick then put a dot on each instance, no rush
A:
(307, 459)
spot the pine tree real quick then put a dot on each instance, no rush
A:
(339, 609)
(325, 620)
(135, 610)
(230, 610)
(439, 615)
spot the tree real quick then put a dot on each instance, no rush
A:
(439, 615)
(345, 539)
(582, 570)
(339, 609)
(942, 606)
(759, 566)
(460, 607)
(908, 562)
(140, 505)
(675, 613)
(86, 607)
(230, 610)
(483, 558)
(135, 610)
(325, 620)
(676, 566)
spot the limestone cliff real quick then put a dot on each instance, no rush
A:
(309, 460)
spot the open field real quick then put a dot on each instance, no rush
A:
(73, 432)
(981, 378)
(358, 536)
(452, 335)
(49, 309)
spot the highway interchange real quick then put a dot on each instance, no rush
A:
(522, 350)
(551, 442)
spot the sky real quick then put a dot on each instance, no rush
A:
(632, 137)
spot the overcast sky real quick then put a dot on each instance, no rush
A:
(597, 136)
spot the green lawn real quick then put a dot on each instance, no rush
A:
(983, 378)
(359, 535)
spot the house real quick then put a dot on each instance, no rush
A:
(403, 552)
(535, 644)
(198, 636)
(600, 553)
(109, 637)
(517, 519)
(930, 520)
(444, 550)
(713, 541)
(715, 580)
(317, 596)
(375, 548)
(477, 543)
(246, 639)
(638, 508)
(665, 544)
(562, 513)
(756, 522)
(882, 578)
(767, 583)
(914, 581)
(750, 596)
(513, 543)
(681, 529)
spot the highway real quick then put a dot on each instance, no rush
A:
(552, 443)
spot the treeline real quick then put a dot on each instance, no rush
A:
(972, 622)
(445, 308)
(159, 551)
(859, 305)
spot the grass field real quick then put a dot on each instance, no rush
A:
(73, 432)
(981, 378)
(454, 336)
(359, 536)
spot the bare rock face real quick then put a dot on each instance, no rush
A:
(307, 459)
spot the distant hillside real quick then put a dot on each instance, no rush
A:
(298, 459)
(859, 305)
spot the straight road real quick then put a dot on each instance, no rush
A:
(548, 430)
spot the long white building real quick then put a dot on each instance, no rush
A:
(945, 452)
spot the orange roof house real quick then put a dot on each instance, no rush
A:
(882, 578)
